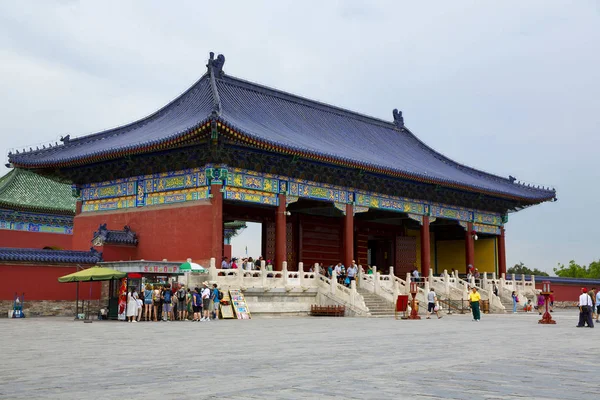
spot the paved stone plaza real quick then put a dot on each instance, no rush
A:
(502, 357)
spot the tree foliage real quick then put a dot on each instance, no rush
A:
(520, 269)
(574, 270)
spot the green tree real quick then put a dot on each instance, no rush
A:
(574, 270)
(520, 269)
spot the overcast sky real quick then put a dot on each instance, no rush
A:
(510, 87)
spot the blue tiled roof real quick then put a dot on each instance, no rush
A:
(123, 237)
(290, 123)
(50, 256)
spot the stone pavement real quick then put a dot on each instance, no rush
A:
(501, 357)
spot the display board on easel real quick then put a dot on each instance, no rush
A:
(225, 307)
(239, 304)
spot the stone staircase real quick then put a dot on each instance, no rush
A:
(378, 306)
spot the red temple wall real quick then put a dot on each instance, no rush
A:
(564, 292)
(35, 240)
(172, 232)
(40, 282)
(118, 253)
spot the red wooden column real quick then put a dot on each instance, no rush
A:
(78, 206)
(349, 235)
(501, 253)
(280, 233)
(469, 247)
(425, 248)
(217, 222)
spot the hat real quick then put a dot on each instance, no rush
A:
(205, 283)
(584, 290)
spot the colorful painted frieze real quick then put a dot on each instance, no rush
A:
(250, 196)
(176, 196)
(390, 203)
(108, 204)
(33, 222)
(247, 181)
(487, 218)
(456, 213)
(109, 191)
(489, 229)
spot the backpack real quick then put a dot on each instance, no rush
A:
(181, 295)
(220, 295)
(167, 296)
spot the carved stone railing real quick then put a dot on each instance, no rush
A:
(292, 281)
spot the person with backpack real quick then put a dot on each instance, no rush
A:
(181, 302)
(196, 304)
(166, 297)
(216, 297)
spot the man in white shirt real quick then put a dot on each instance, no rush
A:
(225, 264)
(205, 293)
(585, 310)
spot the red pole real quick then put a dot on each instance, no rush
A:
(349, 235)
(501, 253)
(280, 233)
(425, 248)
(469, 247)
(217, 220)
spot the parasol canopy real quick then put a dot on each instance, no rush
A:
(192, 267)
(92, 274)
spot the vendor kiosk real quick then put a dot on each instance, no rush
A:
(139, 274)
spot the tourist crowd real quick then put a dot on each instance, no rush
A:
(166, 303)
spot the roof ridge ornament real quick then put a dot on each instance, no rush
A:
(215, 65)
(215, 70)
(398, 119)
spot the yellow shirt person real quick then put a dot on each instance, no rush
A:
(474, 296)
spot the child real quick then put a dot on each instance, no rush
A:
(528, 307)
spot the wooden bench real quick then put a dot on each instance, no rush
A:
(327, 311)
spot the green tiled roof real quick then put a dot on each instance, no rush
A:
(24, 190)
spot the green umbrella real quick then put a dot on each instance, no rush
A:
(193, 267)
(92, 274)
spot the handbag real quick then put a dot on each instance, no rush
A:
(436, 308)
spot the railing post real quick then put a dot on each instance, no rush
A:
(485, 280)
(263, 274)
(447, 283)
(494, 276)
(375, 280)
(284, 271)
(408, 280)
(533, 282)
(353, 292)
(317, 269)
(240, 275)
(333, 281)
(301, 273)
(359, 275)
(212, 269)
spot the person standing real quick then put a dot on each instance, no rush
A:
(205, 301)
(148, 302)
(166, 298)
(132, 305)
(474, 298)
(592, 294)
(585, 308)
(196, 304)
(431, 304)
(515, 300)
(352, 270)
(215, 300)
(181, 306)
(540, 303)
(551, 300)
(597, 306)
(415, 275)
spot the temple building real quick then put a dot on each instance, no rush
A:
(328, 185)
